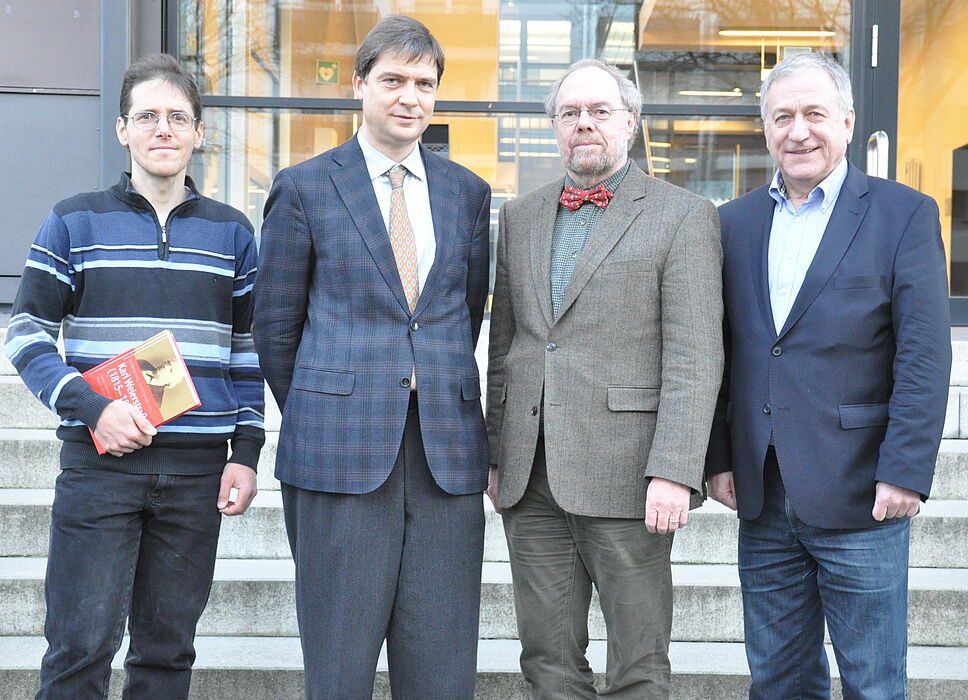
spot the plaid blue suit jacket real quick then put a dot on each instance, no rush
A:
(335, 336)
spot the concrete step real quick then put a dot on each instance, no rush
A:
(939, 534)
(270, 668)
(255, 597)
(29, 458)
(259, 533)
(951, 470)
(21, 409)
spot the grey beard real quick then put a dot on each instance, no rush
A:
(587, 173)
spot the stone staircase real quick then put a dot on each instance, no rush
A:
(247, 644)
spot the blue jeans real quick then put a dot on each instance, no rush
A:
(127, 545)
(795, 576)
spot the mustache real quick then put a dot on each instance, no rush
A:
(586, 141)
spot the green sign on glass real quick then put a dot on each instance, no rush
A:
(327, 72)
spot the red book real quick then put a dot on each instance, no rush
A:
(151, 376)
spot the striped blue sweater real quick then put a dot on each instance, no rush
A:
(105, 272)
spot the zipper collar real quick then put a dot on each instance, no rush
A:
(126, 192)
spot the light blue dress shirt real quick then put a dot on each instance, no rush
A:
(795, 237)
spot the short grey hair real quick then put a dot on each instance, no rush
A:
(810, 61)
(631, 98)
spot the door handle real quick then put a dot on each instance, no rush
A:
(878, 149)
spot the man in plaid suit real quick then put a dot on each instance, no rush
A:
(368, 306)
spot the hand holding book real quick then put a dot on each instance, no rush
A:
(122, 428)
(150, 384)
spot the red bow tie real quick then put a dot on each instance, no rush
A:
(573, 198)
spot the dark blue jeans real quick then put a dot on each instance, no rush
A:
(795, 576)
(127, 545)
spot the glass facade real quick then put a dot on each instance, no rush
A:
(279, 74)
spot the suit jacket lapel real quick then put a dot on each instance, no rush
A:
(444, 193)
(844, 221)
(628, 203)
(759, 241)
(352, 181)
(541, 228)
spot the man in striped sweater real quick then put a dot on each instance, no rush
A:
(134, 531)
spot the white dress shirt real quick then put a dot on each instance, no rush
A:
(795, 237)
(416, 195)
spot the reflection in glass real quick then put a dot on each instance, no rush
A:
(307, 48)
(932, 132)
(718, 158)
(678, 51)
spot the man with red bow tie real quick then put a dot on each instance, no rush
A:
(605, 361)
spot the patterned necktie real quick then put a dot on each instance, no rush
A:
(573, 197)
(401, 237)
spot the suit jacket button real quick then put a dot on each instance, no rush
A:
(552, 347)
(534, 410)
(767, 408)
(414, 326)
(405, 382)
(777, 351)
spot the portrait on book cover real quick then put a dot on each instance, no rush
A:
(166, 380)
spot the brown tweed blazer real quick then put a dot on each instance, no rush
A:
(630, 370)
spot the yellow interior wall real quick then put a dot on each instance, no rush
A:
(933, 98)
(320, 32)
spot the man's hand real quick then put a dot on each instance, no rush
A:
(666, 506)
(241, 478)
(892, 501)
(122, 429)
(492, 488)
(722, 489)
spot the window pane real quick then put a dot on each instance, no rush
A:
(679, 51)
(306, 48)
(718, 158)
(932, 132)
(688, 51)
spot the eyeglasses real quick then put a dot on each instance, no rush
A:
(148, 121)
(568, 117)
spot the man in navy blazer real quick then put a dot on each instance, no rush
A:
(368, 308)
(831, 413)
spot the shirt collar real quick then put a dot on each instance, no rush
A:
(377, 164)
(829, 187)
(611, 182)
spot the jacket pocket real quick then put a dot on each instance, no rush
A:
(861, 282)
(862, 415)
(470, 388)
(633, 398)
(324, 381)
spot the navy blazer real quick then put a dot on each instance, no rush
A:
(854, 387)
(335, 336)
